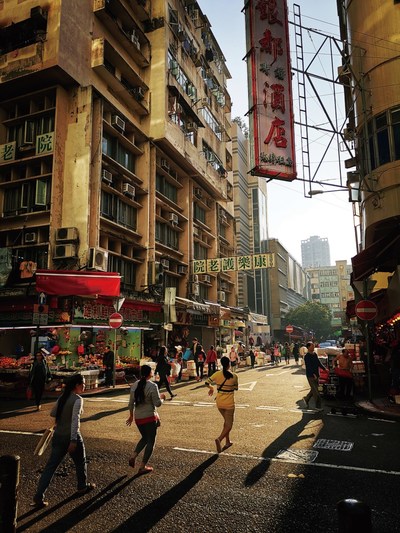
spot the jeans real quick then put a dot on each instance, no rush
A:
(199, 370)
(212, 368)
(313, 382)
(109, 376)
(164, 380)
(38, 388)
(148, 440)
(59, 450)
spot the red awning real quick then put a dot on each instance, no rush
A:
(78, 283)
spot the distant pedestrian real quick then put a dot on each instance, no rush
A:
(227, 384)
(144, 400)
(39, 375)
(67, 439)
(163, 369)
(252, 358)
(296, 352)
(313, 364)
(211, 361)
(199, 359)
(108, 363)
(233, 358)
(286, 352)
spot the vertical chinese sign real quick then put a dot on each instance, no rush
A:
(270, 90)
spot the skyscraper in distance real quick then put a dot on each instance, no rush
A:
(315, 252)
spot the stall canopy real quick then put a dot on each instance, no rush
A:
(78, 283)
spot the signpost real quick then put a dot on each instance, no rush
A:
(366, 310)
(289, 329)
(115, 321)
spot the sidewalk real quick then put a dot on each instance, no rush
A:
(380, 407)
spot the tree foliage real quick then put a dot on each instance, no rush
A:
(312, 316)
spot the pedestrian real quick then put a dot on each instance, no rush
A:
(296, 352)
(313, 364)
(343, 366)
(240, 351)
(108, 363)
(252, 358)
(144, 400)
(286, 352)
(227, 383)
(251, 342)
(233, 358)
(39, 375)
(276, 354)
(211, 361)
(67, 438)
(163, 369)
(199, 359)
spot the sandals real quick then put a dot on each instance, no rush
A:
(145, 470)
(218, 445)
(89, 487)
(228, 445)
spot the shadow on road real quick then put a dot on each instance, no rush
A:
(150, 515)
(290, 435)
(99, 416)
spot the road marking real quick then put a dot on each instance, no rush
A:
(251, 385)
(275, 460)
(115, 400)
(11, 432)
(278, 374)
(348, 415)
(383, 420)
(269, 408)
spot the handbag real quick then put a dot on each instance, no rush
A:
(44, 441)
(187, 355)
(29, 393)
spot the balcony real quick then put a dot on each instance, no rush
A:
(122, 80)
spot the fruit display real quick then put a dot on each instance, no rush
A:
(8, 362)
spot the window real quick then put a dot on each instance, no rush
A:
(167, 236)
(25, 132)
(199, 214)
(396, 132)
(382, 135)
(166, 188)
(199, 251)
(125, 268)
(28, 197)
(112, 148)
(115, 209)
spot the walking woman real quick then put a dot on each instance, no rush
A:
(144, 400)
(211, 361)
(67, 439)
(163, 369)
(226, 383)
(39, 375)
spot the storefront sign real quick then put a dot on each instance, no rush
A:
(234, 264)
(44, 143)
(7, 152)
(270, 90)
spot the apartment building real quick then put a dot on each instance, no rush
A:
(115, 156)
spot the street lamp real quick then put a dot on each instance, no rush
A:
(353, 192)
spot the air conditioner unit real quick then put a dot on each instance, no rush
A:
(165, 263)
(182, 269)
(64, 251)
(197, 192)
(349, 134)
(138, 93)
(173, 218)
(106, 176)
(206, 278)
(118, 122)
(66, 234)
(204, 101)
(98, 259)
(196, 231)
(165, 164)
(221, 296)
(128, 190)
(210, 157)
(194, 289)
(219, 129)
(135, 40)
(30, 237)
(191, 126)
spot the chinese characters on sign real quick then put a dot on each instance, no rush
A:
(271, 102)
(44, 143)
(7, 152)
(233, 264)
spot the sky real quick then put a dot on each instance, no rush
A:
(291, 216)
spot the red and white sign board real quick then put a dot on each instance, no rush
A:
(366, 310)
(289, 329)
(115, 320)
(270, 90)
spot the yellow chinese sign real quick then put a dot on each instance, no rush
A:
(7, 152)
(44, 143)
(233, 264)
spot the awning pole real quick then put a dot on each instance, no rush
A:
(367, 344)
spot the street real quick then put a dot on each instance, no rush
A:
(287, 469)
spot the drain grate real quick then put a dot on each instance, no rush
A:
(337, 445)
(300, 456)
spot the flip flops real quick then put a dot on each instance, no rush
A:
(227, 446)
(218, 445)
(145, 470)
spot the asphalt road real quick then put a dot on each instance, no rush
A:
(287, 469)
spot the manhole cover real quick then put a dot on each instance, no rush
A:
(337, 445)
(300, 456)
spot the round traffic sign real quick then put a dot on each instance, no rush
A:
(289, 329)
(366, 310)
(115, 320)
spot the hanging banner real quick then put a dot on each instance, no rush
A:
(271, 121)
(78, 283)
(233, 264)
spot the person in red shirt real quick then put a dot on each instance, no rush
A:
(211, 361)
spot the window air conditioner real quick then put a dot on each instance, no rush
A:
(191, 126)
(196, 231)
(206, 278)
(66, 234)
(174, 219)
(106, 176)
(182, 269)
(30, 237)
(98, 259)
(165, 164)
(165, 263)
(138, 93)
(194, 289)
(197, 192)
(135, 40)
(64, 251)
(128, 190)
(204, 101)
(221, 296)
(118, 122)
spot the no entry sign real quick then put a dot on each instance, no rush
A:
(366, 310)
(115, 320)
(289, 329)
